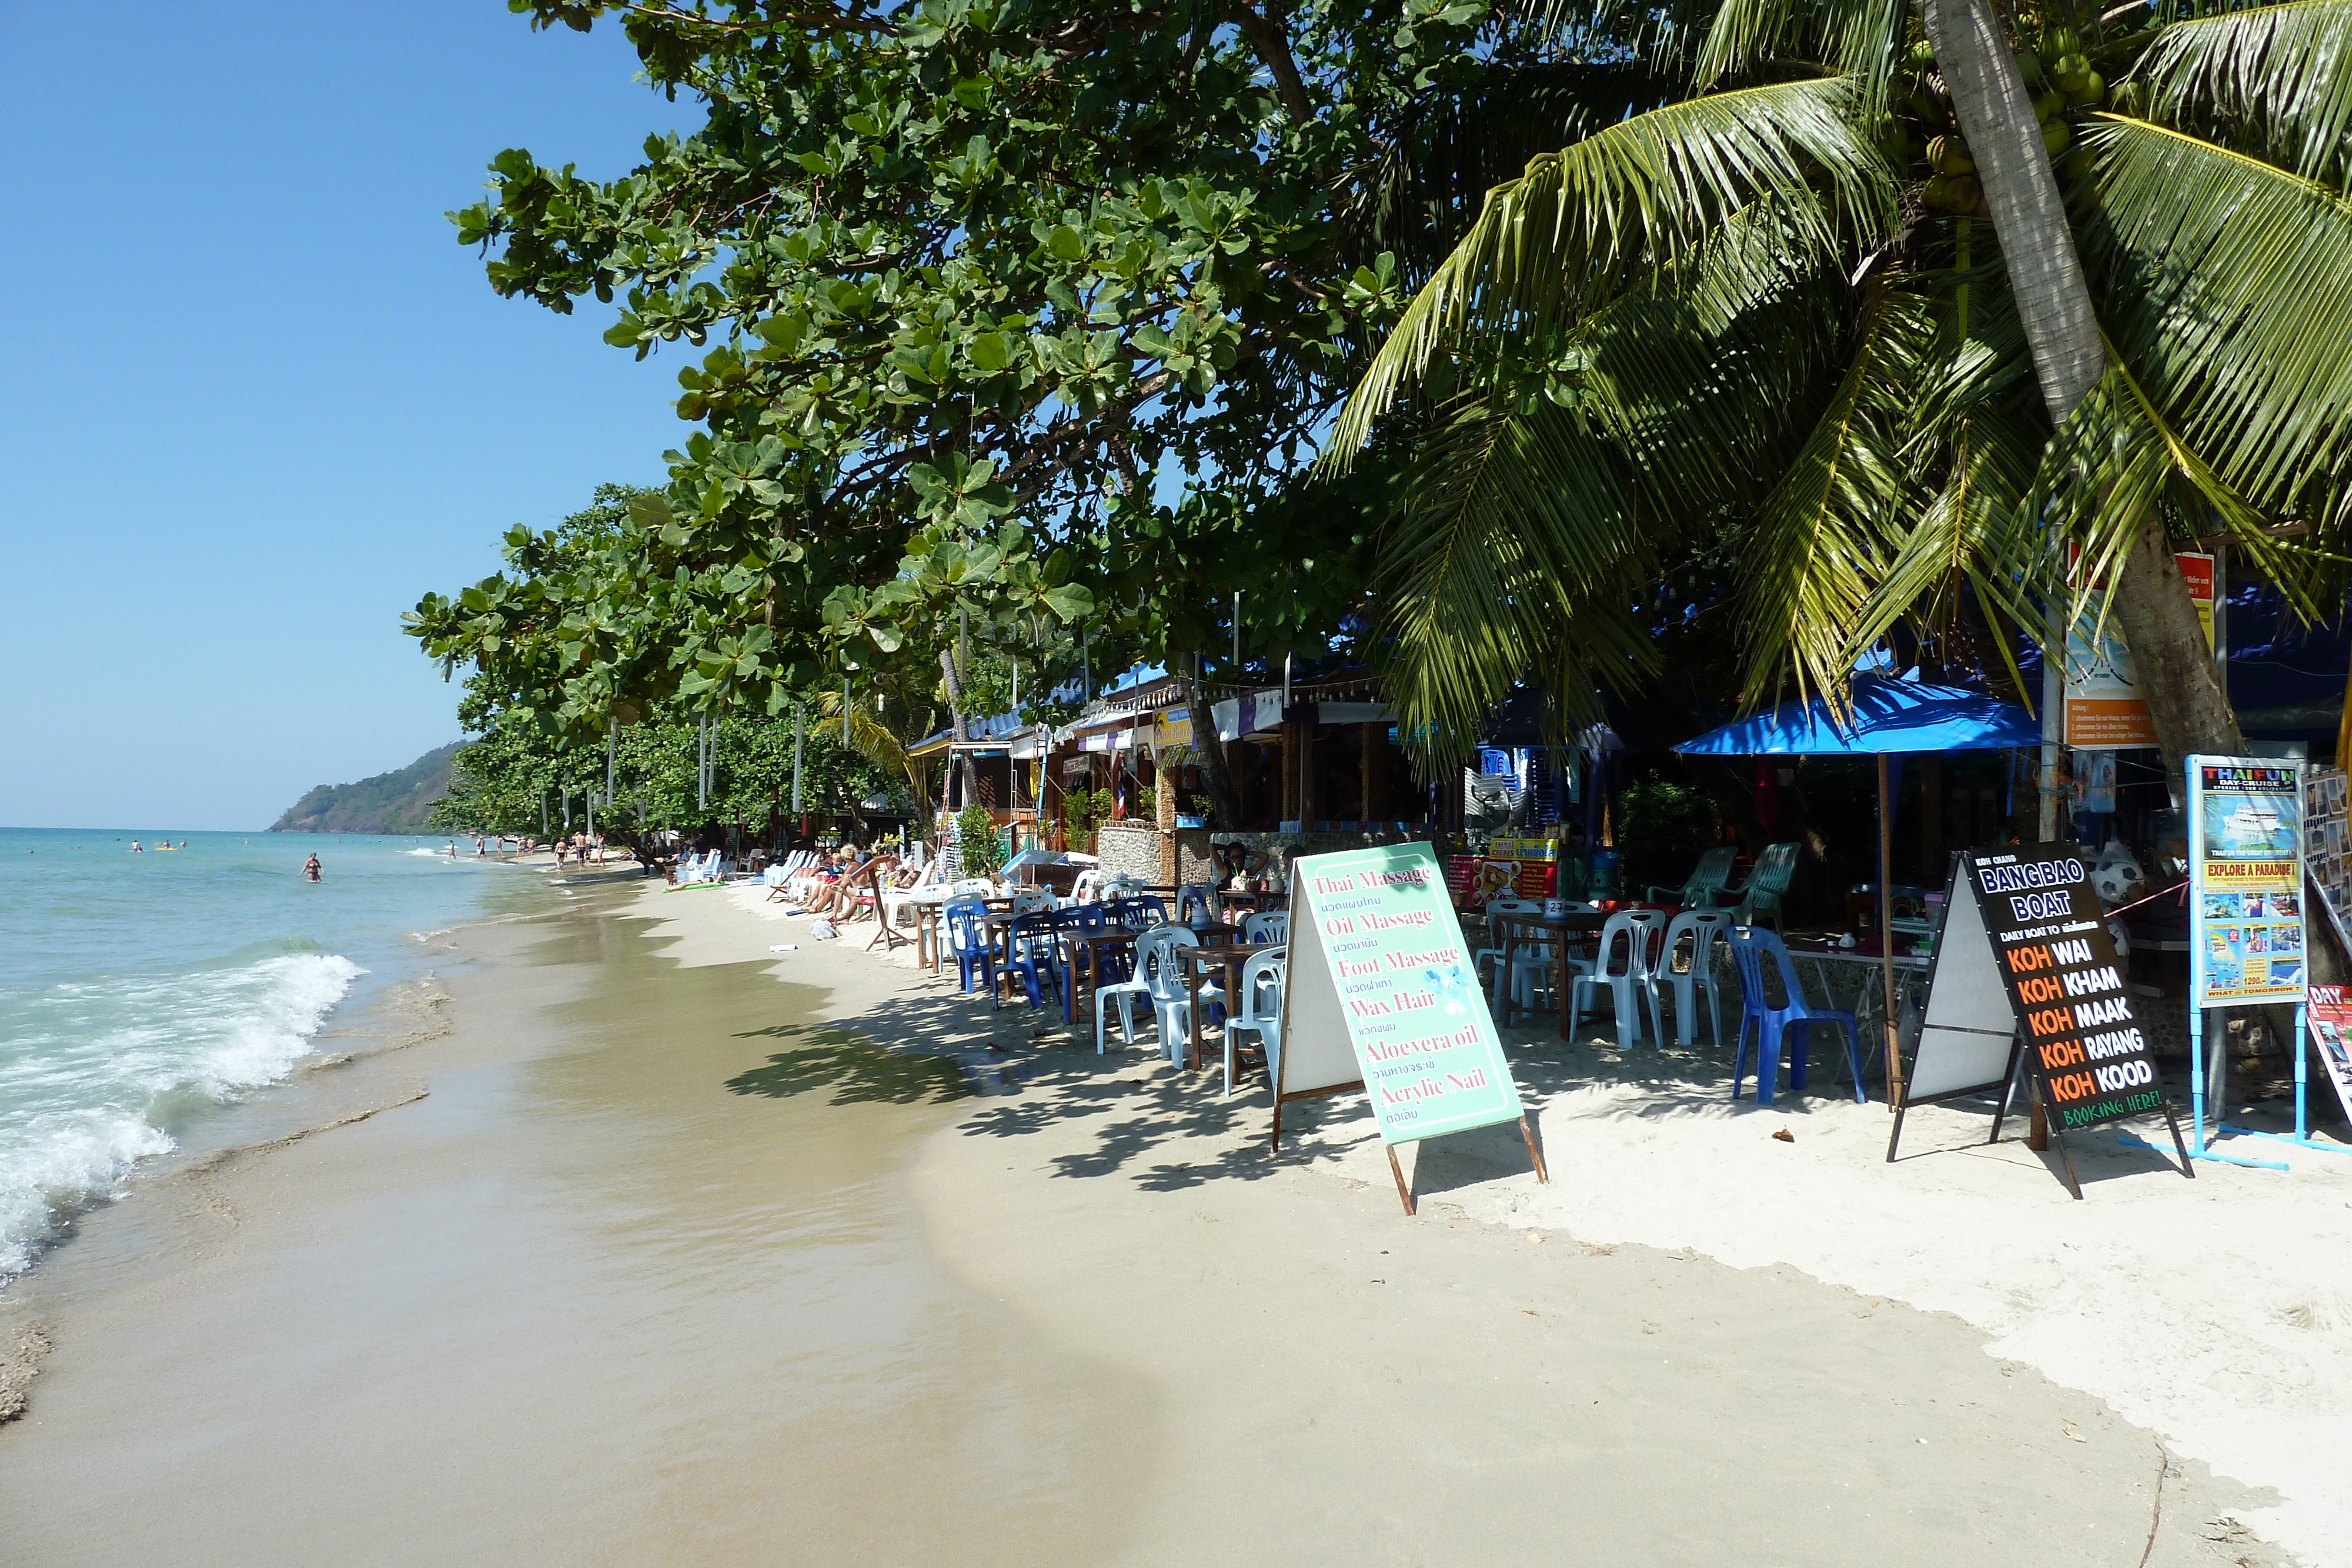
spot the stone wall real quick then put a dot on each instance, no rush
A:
(1133, 849)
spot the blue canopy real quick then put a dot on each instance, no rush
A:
(1889, 716)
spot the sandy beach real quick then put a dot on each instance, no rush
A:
(661, 1246)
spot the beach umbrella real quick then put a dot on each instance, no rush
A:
(1886, 717)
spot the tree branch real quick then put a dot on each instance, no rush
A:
(1273, 45)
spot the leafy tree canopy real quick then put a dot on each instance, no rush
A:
(1030, 311)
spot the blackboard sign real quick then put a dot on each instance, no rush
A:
(2083, 1044)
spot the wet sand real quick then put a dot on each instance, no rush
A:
(593, 1298)
(670, 1266)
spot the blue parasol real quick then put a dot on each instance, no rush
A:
(1888, 717)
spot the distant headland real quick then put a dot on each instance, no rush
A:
(392, 803)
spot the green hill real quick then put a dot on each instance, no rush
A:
(387, 803)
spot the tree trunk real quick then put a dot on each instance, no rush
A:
(1211, 753)
(959, 729)
(2186, 699)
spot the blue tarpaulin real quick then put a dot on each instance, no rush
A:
(1889, 716)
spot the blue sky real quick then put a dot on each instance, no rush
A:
(255, 398)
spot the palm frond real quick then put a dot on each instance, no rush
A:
(876, 743)
(1418, 198)
(1516, 548)
(2280, 76)
(1852, 39)
(1633, 197)
(2113, 461)
(2227, 286)
(1695, 378)
(1974, 434)
(1822, 536)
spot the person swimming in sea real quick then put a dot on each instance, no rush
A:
(135, 847)
(311, 870)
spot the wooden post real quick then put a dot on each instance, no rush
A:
(1404, 1191)
(1292, 767)
(1306, 791)
(1931, 812)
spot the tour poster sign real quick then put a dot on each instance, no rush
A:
(2245, 871)
(2082, 1039)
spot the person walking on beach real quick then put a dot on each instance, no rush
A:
(311, 870)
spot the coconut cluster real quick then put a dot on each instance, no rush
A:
(2057, 73)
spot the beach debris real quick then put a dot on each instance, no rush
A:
(1786, 1137)
(822, 931)
(784, 948)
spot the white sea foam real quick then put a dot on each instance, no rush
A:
(94, 1074)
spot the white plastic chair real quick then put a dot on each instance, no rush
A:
(1503, 947)
(1029, 899)
(1171, 1002)
(1685, 976)
(1196, 897)
(1259, 1007)
(1621, 965)
(1152, 955)
(1273, 925)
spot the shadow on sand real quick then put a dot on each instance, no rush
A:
(1147, 1121)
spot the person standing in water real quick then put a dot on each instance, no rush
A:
(311, 870)
(135, 847)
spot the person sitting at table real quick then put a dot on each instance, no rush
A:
(1238, 865)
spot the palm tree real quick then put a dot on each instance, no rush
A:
(1769, 306)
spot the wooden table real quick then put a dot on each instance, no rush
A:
(1092, 944)
(1577, 923)
(927, 931)
(1228, 955)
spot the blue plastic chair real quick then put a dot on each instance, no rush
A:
(1036, 960)
(1100, 965)
(967, 939)
(1750, 947)
(1141, 913)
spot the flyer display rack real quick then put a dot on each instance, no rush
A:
(2249, 827)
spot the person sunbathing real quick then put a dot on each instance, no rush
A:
(838, 893)
(840, 898)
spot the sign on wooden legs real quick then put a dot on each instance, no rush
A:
(1382, 996)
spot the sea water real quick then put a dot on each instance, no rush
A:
(141, 992)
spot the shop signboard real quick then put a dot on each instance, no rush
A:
(1171, 727)
(2104, 709)
(2331, 1032)
(2245, 881)
(1381, 994)
(2084, 1040)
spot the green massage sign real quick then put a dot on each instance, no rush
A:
(1378, 961)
